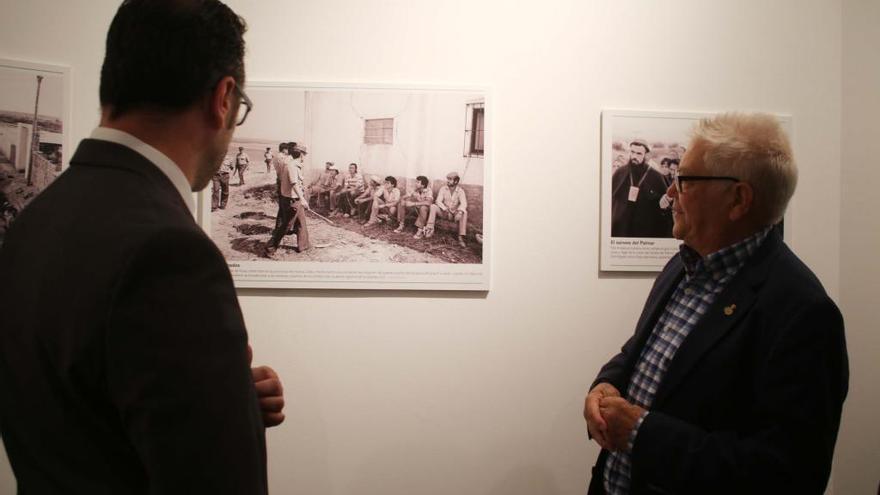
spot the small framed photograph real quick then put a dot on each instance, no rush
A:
(641, 150)
(396, 178)
(34, 139)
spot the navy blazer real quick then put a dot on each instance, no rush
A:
(751, 402)
(123, 352)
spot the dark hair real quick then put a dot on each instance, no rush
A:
(355, 166)
(166, 54)
(392, 180)
(643, 145)
(295, 153)
(423, 180)
(282, 146)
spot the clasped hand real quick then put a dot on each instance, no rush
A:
(610, 418)
(270, 392)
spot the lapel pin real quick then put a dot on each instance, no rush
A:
(728, 310)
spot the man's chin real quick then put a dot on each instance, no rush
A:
(678, 231)
(201, 184)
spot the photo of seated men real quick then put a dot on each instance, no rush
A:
(452, 205)
(363, 204)
(342, 203)
(324, 186)
(419, 201)
(385, 202)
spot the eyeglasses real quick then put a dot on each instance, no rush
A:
(248, 104)
(679, 180)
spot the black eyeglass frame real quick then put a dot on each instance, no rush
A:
(249, 105)
(678, 180)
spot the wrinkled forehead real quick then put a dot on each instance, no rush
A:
(693, 158)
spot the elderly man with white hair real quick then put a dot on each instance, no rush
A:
(735, 377)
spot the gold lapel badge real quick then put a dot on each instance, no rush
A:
(728, 310)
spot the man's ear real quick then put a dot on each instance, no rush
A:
(743, 196)
(222, 105)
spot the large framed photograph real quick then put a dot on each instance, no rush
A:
(34, 139)
(396, 178)
(641, 150)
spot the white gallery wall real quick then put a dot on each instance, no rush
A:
(858, 449)
(401, 393)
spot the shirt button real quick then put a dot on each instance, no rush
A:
(689, 291)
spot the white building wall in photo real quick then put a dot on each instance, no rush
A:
(427, 137)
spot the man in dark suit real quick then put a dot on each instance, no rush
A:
(636, 191)
(736, 375)
(124, 362)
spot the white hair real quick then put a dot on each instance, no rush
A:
(754, 148)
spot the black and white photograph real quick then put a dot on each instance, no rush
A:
(641, 152)
(33, 107)
(329, 186)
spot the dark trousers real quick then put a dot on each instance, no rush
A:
(362, 210)
(345, 201)
(241, 169)
(291, 211)
(219, 190)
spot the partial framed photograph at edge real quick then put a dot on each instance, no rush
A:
(641, 151)
(397, 180)
(34, 136)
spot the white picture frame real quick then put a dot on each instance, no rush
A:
(647, 245)
(329, 120)
(28, 88)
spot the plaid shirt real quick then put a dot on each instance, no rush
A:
(704, 279)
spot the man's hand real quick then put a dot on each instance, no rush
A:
(596, 424)
(620, 416)
(270, 392)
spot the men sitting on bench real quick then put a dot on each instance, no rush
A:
(364, 203)
(325, 185)
(352, 187)
(451, 204)
(420, 201)
(384, 202)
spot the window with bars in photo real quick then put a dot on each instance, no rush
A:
(474, 131)
(379, 131)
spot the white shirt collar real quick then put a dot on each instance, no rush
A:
(159, 159)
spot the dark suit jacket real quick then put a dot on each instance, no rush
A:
(123, 359)
(751, 401)
(642, 218)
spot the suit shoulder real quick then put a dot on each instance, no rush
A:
(176, 240)
(790, 274)
(174, 255)
(793, 301)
